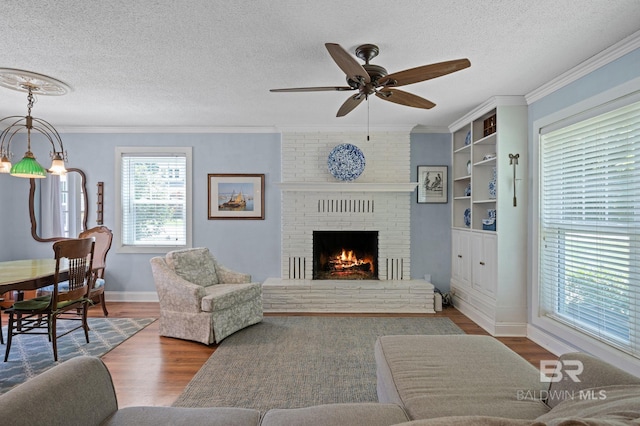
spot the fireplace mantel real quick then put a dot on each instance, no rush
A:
(347, 187)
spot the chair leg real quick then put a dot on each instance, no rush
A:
(104, 305)
(85, 325)
(1, 334)
(53, 335)
(50, 335)
(9, 336)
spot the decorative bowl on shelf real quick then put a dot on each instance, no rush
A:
(488, 224)
(489, 156)
(467, 217)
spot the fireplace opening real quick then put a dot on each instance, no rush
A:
(345, 255)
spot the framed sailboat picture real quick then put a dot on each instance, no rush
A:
(236, 196)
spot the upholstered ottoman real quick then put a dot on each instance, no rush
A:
(438, 376)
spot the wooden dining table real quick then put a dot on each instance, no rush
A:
(29, 274)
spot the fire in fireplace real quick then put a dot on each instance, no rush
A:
(345, 255)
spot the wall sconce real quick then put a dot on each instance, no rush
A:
(32, 83)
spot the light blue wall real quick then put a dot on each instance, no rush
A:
(251, 246)
(622, 70)
(431, 223)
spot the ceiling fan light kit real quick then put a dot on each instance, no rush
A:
(369, 79)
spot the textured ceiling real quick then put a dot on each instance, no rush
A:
(206, 63)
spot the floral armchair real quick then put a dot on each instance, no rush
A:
(200, 299)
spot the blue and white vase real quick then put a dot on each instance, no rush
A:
(492, 185)
(467, 218)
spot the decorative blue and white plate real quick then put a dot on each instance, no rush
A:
(346, 162)
(467, 217)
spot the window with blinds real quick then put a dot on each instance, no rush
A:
(589, 260)
(154, 189)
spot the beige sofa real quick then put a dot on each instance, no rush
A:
(422, 380)
(80, 392)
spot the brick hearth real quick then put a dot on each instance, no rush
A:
(365, 296)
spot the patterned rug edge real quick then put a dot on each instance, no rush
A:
(32, 354)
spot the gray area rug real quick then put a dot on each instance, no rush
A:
(32, 354)
(298, 361)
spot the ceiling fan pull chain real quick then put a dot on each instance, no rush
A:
(367, 98)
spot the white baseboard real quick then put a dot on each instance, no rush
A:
(549, 342)
(493, 328)
(474, 315)
(131, 296)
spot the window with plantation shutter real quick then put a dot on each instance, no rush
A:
(589, 226)
(154, 197)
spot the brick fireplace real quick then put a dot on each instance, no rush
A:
(377, 202)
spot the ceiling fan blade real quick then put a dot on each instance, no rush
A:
(348, 63)
(425, 72)
(314, 89)
(350, 104)
(404, 98)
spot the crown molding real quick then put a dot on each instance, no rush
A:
(430, 129)
(623, 47)
(164, 129)
(489, 104)
(345, 129)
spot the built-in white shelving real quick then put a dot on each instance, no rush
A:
(489, 266)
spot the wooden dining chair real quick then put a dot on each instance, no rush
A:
(26, 316)
(103, 237)
(1, 334)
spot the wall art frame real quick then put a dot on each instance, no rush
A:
(433, 184)
(235, 196)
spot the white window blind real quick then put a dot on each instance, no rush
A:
(589, 260)
(154, 199)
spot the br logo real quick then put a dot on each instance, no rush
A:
(555, 370)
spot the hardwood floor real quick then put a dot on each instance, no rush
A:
(151, 370)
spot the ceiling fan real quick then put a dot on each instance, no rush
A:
(369, 79)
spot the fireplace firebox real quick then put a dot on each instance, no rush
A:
(345, 255)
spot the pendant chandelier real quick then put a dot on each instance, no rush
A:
(33, 84)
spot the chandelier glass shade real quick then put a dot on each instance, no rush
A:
(28, 166)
